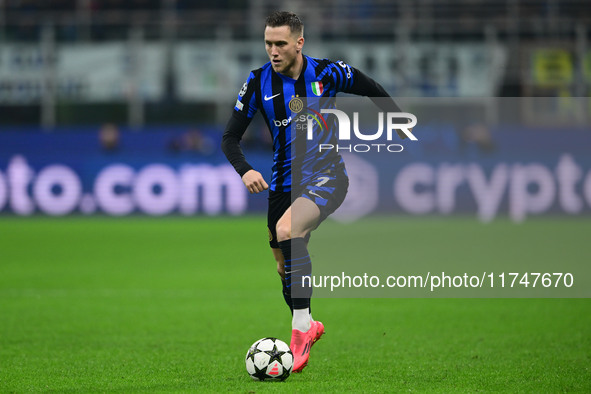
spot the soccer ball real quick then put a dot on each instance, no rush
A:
(269, 359)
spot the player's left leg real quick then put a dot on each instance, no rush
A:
(279, 202)
(278, 255)
(292, 233)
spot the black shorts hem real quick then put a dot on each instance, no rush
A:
(327, 190)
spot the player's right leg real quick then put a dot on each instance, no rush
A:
(292, 234)
(318, 199)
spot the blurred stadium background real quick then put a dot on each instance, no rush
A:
(87, 84)
(116, 108)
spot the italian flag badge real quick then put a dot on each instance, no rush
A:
(317, 88)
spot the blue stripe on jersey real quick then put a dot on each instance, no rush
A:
(281, 135)
(273, 92)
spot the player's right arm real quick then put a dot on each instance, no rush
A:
(244, 110)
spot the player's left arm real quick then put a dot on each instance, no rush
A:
(365, 86)
(252, 179)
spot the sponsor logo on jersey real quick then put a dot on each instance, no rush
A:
(284, 122)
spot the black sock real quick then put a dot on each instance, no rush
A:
(297, 266)
(287, 295)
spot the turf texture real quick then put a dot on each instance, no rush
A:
(172, 305)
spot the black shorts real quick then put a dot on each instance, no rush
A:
(327, 190)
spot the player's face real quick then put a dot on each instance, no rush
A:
(284, 49)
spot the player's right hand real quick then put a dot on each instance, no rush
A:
(254, 181)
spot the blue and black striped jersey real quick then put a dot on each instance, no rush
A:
(271, 94)
(295, 160)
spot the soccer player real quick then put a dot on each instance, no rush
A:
(307, 185)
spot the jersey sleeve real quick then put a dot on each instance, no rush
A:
(246, 104)
(363, 85)
(231, 143)
(244, 109)
(342, 75)
(366, 86)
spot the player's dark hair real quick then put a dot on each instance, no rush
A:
(285, 18)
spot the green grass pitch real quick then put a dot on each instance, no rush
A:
(141, 304)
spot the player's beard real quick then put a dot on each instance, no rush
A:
(284, 66)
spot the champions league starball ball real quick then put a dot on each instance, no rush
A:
(269, 359)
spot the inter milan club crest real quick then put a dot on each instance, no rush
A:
(317, 88)
(296, 105)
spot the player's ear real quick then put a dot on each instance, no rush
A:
(300, 43)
